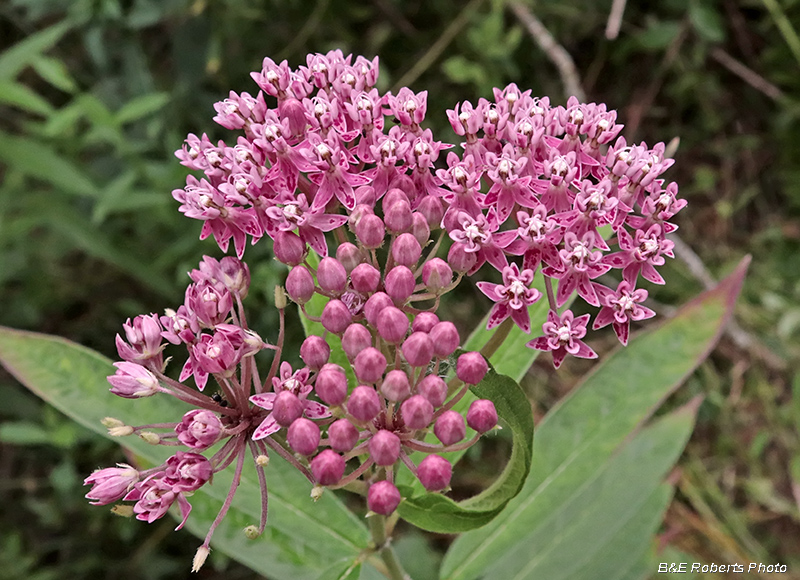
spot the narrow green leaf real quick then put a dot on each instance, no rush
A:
(42, 162)
(438, 513)
(302, 537)
(577, 438)
(16, 58)
(55, 72)
(141, 107)
(346, 569)
(23, 433)
(20, 96)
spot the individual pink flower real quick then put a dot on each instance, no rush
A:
(539, 235)
(581, 265)
(310, 223)
(512, 297)
(199, 429)
(111, 484)
(562, 336)
(620, 307)
(154, 497)
(133, 381)
(482, 238)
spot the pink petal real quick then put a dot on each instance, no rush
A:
(268, 427)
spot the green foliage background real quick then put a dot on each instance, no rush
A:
(95, 95)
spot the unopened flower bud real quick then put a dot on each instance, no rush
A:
(436, 275)
(316, 492)
(287, 408)
(280, 297)
(123, 511)
(315, 352)
(406, 250)
(420, 229)
(384, 448)
(424, 321)
(364, 404)
(121, 431)
(294, 112)
(262, 460)
(450, 428)
(370, 231)
(110, 422)
(331, 385)
(328, 467)
(394, 196)
(383, 498)
(482, 416)
(434, 473)
(431, 208)
(459, 259)
(471, 367)
(289, 248)
(303, 436)
(342, 435)
(331, 275)
(397, 216)
(111, 484)
(418, 349)
(200, 558)
(251, 532)
(392, 325)
(336, 317)
(300, 284)
(355, 339)
(349, 255)
(396, 386)
(132, 381)
(400, 283)
(365, 278)
(374, 305)
(199, 429)
(358, 213)
(445, 338)
(434, 389)
(417, 412)
(370, 365)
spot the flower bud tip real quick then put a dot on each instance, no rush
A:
(150, 437)
(262, 460)
(316, 492)
(251, 532)
(110, 422)
(280, 298)
(121, 431)
(200, 558)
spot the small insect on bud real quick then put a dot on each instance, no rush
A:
(150, 437)
(200, 558)
(251, 532)
(121, 431)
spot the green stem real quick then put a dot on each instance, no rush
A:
(377, 526)
(497, 338)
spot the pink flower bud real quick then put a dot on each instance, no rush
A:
(450, 428)
(342, 435)
(355, 339)
(234, 275)
(434, 473)
(431, 208)
(471, 367)
(289, 248)
(332, 276)
(315, 352)
(383, 498)
(187, 471)
(336, 317)
(482, 416)
(424, 321)
(420, 229)
(328, 467)
(370, 231)
(417, 412)
(199, 429)
(397, 216)
(370, 365)
(153, 498)
(400, 283)
(132, 381)
(406, 250)
(365, 278)
(396, 386)
(287, 408)
(111, 484)
(293, 110)
(434, 389)
(349, 255)
(358, 213)
(392, 325)
(445, 338)
(384, 448)
(418, 349)
(331, 385)
(300, 284)
(393, 196)
(459, 259)
(303, 436)
(374, 305)
(364, 404)
(436, 275)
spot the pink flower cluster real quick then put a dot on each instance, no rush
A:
(320, 167)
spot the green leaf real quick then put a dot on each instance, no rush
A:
(438, 513)
(579, 436)
(23, 433)
(42, 162)
(20, 96)
(22, 54)
(141, 107)
(706, 21)
(659, 35)
(302, 537)
(55, 72)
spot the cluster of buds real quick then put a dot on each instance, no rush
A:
(536, 188)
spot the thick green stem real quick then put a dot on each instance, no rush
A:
(497, 338)
(377, 526)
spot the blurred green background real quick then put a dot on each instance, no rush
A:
(95, 95)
